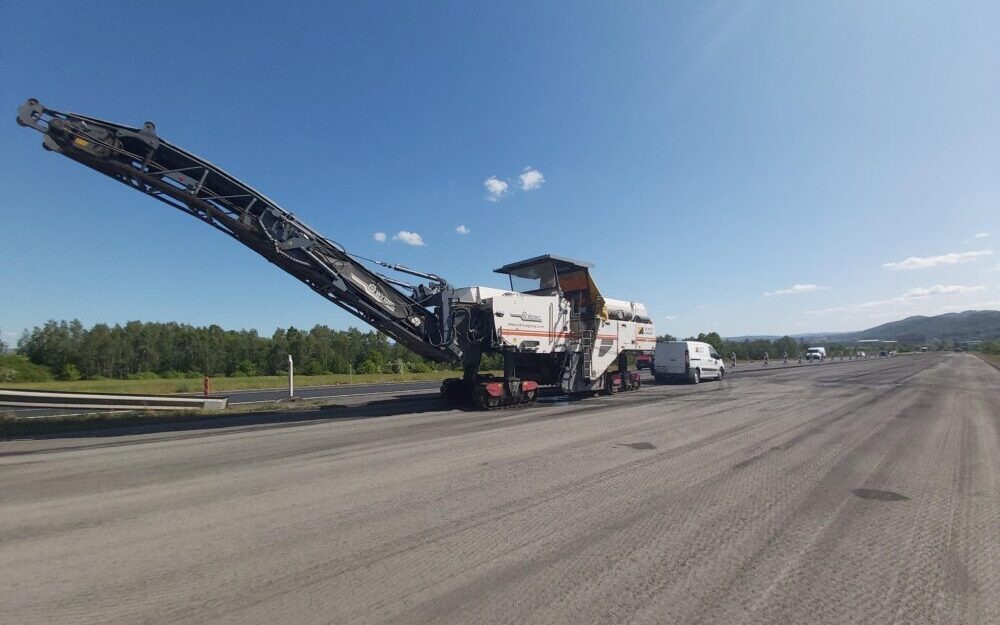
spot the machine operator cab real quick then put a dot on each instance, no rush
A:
(546, 274)
(549, 275)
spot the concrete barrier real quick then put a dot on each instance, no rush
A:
(108, 401)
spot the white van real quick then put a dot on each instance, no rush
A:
(816, 353)
(687, 360)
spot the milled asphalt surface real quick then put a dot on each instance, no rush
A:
(867, 492)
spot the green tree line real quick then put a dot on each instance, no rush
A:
(754, 349)
(990, 347)
(747, 349)
(137, 349)
(69, 351)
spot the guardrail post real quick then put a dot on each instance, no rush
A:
(291, 376)
(207, 386)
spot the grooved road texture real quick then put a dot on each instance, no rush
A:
(863, 493)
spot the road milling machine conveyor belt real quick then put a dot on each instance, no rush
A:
(560, 331)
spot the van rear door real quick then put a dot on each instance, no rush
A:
(669, 358)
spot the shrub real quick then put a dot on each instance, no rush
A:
(419, 367)
(16, 368)
(69, 372)
(311, 367)
(247, 368)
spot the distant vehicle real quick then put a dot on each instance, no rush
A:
(816, 353)
(892, 353)
(692, 361)
(644, 361)
(924, 348)
(860, 354)
(883, 354)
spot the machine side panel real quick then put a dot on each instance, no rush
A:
(531, 323)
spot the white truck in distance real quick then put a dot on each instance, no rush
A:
(816, 353)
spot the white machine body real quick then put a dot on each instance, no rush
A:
(557, 321)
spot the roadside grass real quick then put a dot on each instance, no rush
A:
(165, 386)
(993, 359)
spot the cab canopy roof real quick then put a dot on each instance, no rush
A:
(540, 265)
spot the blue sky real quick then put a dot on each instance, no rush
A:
(744, 167)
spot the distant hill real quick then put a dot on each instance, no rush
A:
(968, 325)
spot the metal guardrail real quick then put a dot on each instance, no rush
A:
(108, 401)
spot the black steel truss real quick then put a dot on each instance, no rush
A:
(138, 158)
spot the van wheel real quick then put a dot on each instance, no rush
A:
(722, 374)
(695, 376)
(659, 379)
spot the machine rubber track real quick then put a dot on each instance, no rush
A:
(489, 393)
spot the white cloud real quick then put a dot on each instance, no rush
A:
(461, 229)
(669, 317)
(992, 305)
(954, 258)
(379, 236)
(410, 238)
(981, 235)
(797, 289)
(496, 188)
(902, 302)
(939, 289)
(531, 179)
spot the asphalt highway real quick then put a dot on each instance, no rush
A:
(389, 389)
(862, 492)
